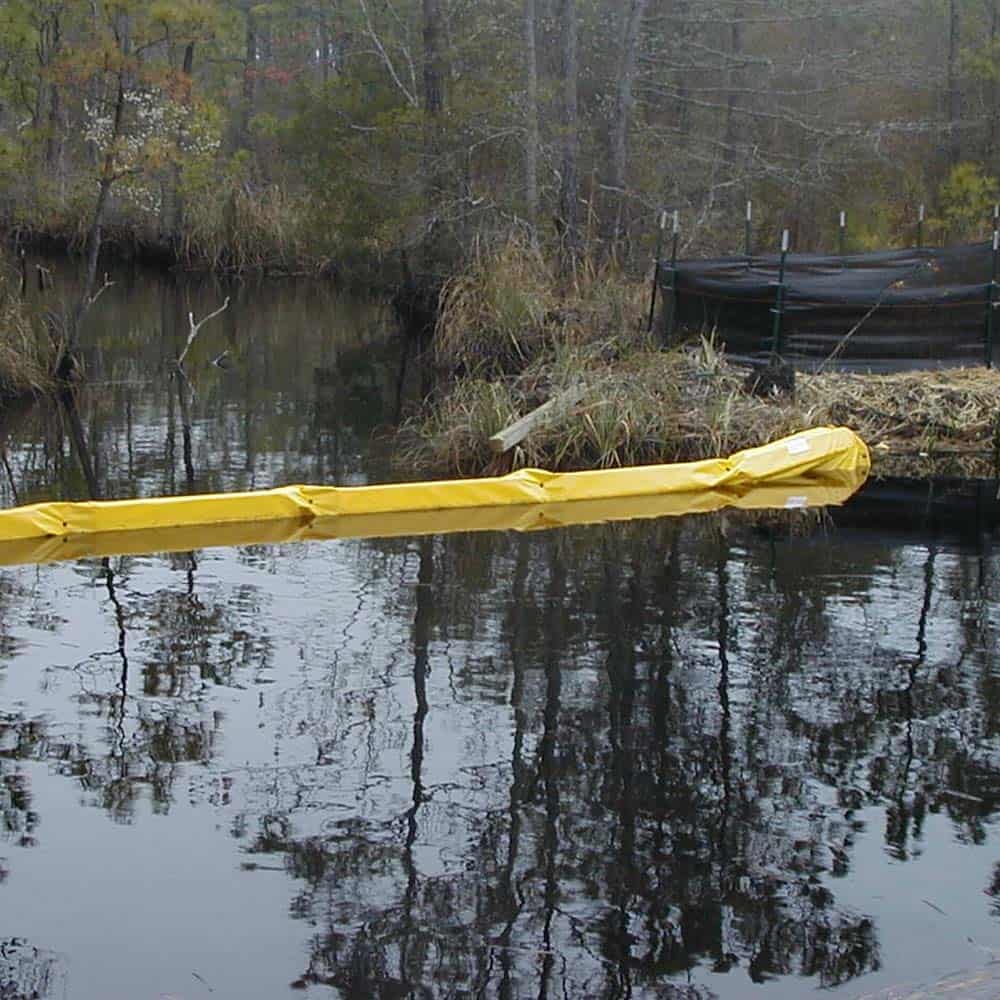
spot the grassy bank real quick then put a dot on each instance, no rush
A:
(235, 234)
(507, 340)
(231, 229)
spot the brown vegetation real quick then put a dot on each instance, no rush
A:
(27, 354)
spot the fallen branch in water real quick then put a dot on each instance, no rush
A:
(185, 390)
(195, 329)
(100, 291)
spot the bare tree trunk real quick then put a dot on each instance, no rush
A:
(682, 36)
(324, 50)
(53, 142)
(737, 83)
(95, 233)
(568, 218)
(954, 93)
(173, 214)
(249, 82)
(78, 437)
(992, 89)
(94, 238)
(38, 111)
(628, 53)
(532, 139)
(44, 52)
(433, 100)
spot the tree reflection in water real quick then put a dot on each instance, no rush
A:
(28, 972)
(581, 763)
(683, 773)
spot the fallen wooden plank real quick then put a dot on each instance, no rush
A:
(520, 429)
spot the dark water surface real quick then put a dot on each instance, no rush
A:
(683, 758)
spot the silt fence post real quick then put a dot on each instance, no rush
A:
(656, 270)
(671, 326)
(991, 302)
(779, 298)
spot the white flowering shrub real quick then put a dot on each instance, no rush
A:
(156, 131)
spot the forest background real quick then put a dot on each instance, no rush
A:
(360, 136)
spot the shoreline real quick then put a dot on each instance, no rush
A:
(129, 247)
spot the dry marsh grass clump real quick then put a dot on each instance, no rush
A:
(918, 423)
(633, 407)
(494, 315)
(647, 406)
(243, 230)
(508, 308)
(27, 354)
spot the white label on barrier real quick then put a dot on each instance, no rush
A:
(796, 503)
(798, 446)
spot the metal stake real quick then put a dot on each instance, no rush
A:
(991, 299)
(843, 232)
(779, 298)
(673, 274)
(748, 232)
(656, 271)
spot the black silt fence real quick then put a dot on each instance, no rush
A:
(888, 311)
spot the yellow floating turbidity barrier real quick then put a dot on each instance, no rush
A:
(817, 467)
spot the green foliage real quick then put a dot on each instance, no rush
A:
(873, 229)
(966, 197)
(300, 127)
(188, 20)
(359, 153)
(983, 62)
